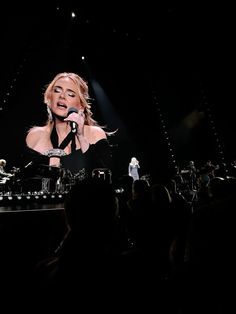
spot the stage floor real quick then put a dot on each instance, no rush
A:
(31, 207)
(20, 202)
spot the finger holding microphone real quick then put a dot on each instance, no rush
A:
(76, 118)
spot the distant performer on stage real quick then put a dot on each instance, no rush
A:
(192, 175)
(70, 138)
(133, 168)
(4, 176)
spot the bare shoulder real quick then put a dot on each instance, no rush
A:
(36, 131)
(98, 131)
(36, 134)
(95, 133)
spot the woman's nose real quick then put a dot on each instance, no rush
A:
(62, 95)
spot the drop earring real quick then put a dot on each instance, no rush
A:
(49, 111)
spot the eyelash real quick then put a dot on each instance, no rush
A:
(56, 90)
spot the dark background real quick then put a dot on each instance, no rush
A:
(162, 75)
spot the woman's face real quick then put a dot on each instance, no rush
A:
(64, 95)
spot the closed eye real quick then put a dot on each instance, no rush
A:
(68, 92)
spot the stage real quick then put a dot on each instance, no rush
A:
(31, 201)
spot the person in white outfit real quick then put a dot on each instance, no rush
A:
(133, 169)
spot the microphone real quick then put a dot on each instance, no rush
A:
(73, 124)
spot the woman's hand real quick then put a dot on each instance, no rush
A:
(79, 119)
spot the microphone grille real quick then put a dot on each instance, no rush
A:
(71, 110)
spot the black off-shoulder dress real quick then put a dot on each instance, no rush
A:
(79, 164)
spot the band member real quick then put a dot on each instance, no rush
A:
(4, 176)
(192, 175)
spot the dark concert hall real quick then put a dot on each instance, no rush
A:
(120, 111)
